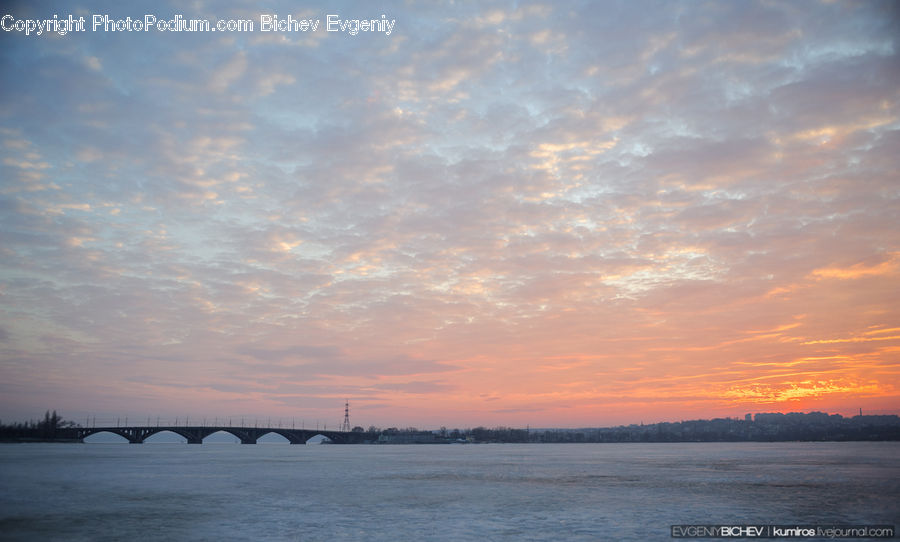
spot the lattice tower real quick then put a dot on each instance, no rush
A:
(346, 425)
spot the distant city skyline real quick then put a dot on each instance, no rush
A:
(556, 214)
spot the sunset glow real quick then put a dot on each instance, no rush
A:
(502, 213)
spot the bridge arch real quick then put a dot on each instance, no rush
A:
(106, 437)
(222, 436)
(274, 437)
(165, 436)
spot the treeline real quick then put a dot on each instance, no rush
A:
(52, 427)
(769, 427)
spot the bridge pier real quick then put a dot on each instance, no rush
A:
(134, 436)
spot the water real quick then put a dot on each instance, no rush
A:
(217, 492)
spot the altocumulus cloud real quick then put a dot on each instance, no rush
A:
(504, 211)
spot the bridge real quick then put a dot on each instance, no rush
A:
(196, 434)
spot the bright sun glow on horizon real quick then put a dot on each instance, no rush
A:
(505, 213)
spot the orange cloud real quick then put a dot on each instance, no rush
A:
(853, 340)
(793, 391)
(860, 270)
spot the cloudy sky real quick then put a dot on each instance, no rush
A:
(544, 213)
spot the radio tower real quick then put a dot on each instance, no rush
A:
(346, 425)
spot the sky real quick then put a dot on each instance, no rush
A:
(545, 214)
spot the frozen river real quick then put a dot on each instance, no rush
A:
(592, 492)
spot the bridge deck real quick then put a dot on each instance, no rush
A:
(247, 435)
